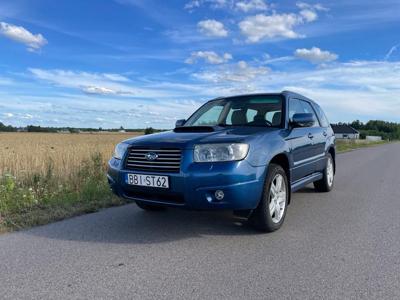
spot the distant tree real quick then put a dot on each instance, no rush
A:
(149, 130)
(73, 130)
(357, 124)
(8, 128)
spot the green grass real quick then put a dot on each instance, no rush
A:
(342, 146)
(43, 198)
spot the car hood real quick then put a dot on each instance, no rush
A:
(187, 139)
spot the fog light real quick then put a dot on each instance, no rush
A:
(219, 195)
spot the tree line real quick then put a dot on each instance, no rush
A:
(34, 128)
(387, 130)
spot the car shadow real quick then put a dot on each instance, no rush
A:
(130, 225)
(307, 190)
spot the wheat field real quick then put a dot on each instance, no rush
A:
(23, 154)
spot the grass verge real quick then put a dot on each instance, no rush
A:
(43, 198)
(348, 145)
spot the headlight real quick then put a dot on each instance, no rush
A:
(120, 150)
(220, 152)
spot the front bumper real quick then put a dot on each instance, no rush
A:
(195, 185)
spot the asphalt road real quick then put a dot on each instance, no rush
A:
(340, 245)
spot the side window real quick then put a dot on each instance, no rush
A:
(295, 107)
(322, 117)
(309, 110)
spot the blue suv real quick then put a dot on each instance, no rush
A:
(243, 153)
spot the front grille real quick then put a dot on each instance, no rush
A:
(168, 160)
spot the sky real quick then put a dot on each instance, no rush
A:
(141, 63)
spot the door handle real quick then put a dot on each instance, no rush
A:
(310, 136)
(325, 133)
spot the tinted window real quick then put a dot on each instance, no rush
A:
(321, 115)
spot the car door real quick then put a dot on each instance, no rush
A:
(301, 144)
(324, 134)
(317, 134)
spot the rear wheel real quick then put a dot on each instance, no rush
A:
(149, 207)
(326, 183)
(271, 211)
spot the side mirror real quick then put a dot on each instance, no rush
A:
(302, 120)
(180, 123)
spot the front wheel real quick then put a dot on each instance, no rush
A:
(271, 211)
(326, 183)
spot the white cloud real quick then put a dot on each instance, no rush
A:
(192, 4)
(266, 27)
(309, 15)
(212, 28)
(259, 27)
(317, 6)
(27, 116)
(116, 77)
(89, 83)
(20, 34)
(208, 56)
(251, 5)
(315, 55)
(214, 4)
(8, 115)
(98, 90)
(240, 72)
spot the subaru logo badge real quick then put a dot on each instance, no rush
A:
(151, 156)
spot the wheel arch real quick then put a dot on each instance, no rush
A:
(332, 152)
(283, 160)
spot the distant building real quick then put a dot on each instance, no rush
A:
(345, 132)
(373, 138)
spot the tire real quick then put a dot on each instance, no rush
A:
(262, 218)
(326, 183)
(149, 207)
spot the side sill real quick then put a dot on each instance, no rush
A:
(306, 180)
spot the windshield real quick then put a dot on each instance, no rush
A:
(258, 110)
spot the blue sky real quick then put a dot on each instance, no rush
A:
(139, 63)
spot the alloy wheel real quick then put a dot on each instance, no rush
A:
(277, 198)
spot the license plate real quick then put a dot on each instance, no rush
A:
(148, 180)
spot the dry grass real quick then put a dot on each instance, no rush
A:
(46, 177)
(23, 154)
